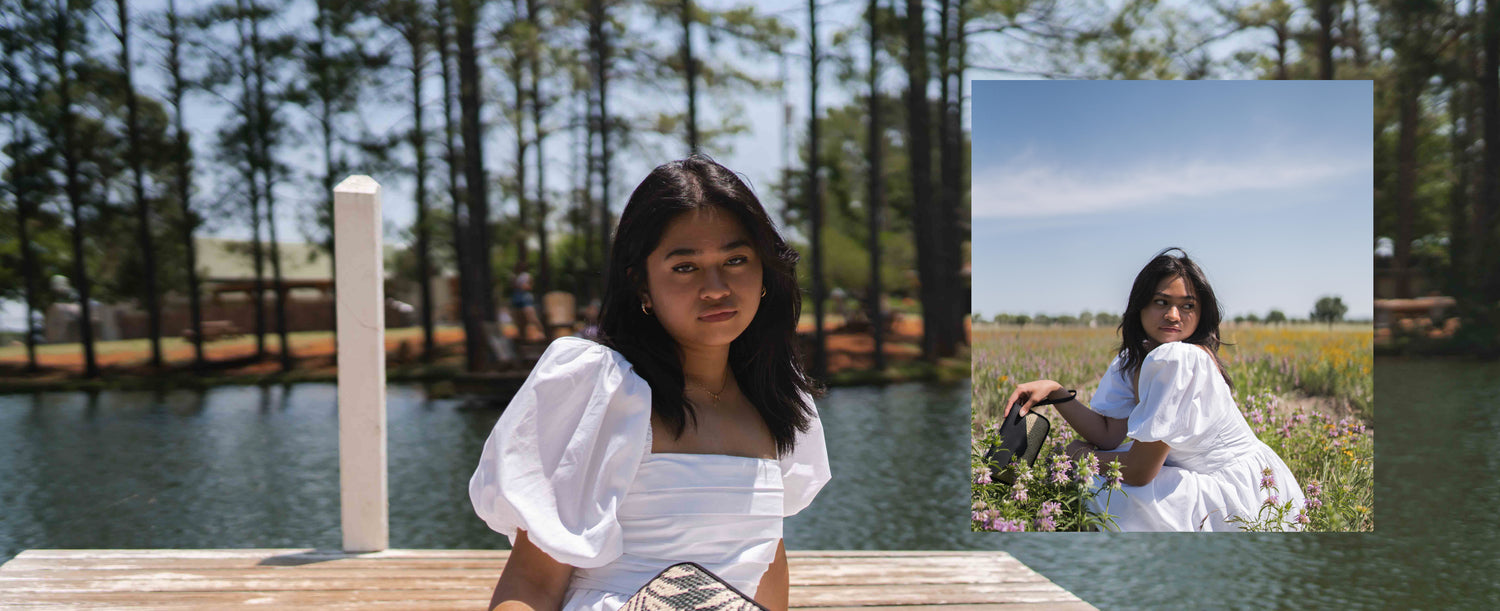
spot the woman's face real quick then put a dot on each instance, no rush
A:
(1172, 313)
(703, 281)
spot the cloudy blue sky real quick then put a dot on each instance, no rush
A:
(1077, 184)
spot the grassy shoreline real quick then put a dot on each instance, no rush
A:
(945, 371)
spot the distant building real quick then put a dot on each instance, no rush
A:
(226, 272)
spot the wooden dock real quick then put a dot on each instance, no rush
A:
(463, 579)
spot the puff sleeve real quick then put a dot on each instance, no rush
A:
(1113, 398)
(1176, 388)
(565, 451)
(804, 470)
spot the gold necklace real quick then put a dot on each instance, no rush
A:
(714, 395)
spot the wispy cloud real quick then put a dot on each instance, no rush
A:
(1026, 188)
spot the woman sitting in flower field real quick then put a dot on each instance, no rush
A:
(1194, 464)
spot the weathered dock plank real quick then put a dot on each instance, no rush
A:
(444, 579)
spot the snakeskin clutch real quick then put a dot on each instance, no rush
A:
(689, 586)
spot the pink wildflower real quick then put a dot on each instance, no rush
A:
(1059, 477)
(1087, 468)
(1007, 525)
(1314, 488)
(1113, 477)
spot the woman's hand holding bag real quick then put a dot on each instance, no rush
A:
(1032, 394)
(1022, 432)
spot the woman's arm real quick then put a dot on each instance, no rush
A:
(1139, 465)
(531, 580)
(1099, 430)
(772, 591)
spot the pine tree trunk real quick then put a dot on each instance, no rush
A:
(593, 259)
(1409, 90)
(950, 174)
(1489, 103)
(138, 188)
(544, 264)
(251, 175)
(28, 271)
(184, 183)
(481, 307)
(23, 183)
(268, 175)
(73, 188)
(419, 148)
(925, 224)
(960, 230)
(1460, 265)
(876, 190)
(1281, 50)
(1325, 16)
(601, 47)
(518, 85)
(690, 73)
(1352, 37)
(253, 181)
(22, 193)
(815, 196)
(1478, 216)
(330, 171)
(457, 194)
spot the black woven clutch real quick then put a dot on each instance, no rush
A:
(1021, 439)
(689, 586)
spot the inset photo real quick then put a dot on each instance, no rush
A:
(1172, 307)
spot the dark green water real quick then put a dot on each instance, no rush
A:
(254, 467)
(258, 467)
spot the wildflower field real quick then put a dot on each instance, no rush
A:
(1306, 390)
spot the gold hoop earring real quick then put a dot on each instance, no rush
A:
(644, 310)
(762, 292)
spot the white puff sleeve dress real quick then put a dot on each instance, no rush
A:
(1215, 466)
(570, 462)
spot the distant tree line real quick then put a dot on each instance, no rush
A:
(1083, 319)
(1328, 309)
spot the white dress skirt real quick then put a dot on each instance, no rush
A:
(570, 462)
(1215, 467)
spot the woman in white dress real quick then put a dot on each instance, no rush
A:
(686, 433)
(1194, 464)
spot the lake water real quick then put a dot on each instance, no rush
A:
(250, 466)
(258, 467)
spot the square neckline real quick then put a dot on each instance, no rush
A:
(651, 450)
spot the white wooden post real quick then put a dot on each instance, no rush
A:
(361, 339)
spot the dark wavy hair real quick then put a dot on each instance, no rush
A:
(1135, 344)
(764, 357)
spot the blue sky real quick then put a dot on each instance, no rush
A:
(1077, 184)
